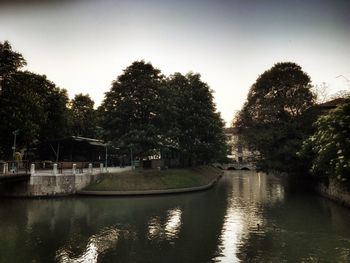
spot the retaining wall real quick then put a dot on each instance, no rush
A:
(41, 185)
(334, 191)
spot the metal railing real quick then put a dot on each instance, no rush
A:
(47, 167)
(14, 168)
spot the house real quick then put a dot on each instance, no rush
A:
(238, 153)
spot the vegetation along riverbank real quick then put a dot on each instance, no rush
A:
(145, 181)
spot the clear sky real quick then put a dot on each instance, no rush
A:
(84, 45)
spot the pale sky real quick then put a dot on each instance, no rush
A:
(84, 45)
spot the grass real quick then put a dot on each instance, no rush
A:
(155, 179)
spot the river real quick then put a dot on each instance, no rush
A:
(246, 217)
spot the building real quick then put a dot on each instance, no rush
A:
(238, 153)
(72, 149)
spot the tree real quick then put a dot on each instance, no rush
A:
(10, 61)
(131, 110)
(193, 121)
(329, 147)
(321, 92)
(33, 105)
(84, 116)
(271, 120)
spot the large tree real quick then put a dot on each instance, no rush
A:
(33, 105)
(271, 120)
(10, 61)
(84, 116)
(193, 122)
(131, 109)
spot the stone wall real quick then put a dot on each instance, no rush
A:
(335, 192)
(41, 184)
(50, 185)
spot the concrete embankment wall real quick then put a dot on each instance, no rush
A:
(333, 190)
(41, 185)
(50, 185)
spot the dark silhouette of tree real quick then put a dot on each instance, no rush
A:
(193, 121)
(84, 116)
(33, 105)
(130, 111)
(10, 61)
(271, 120)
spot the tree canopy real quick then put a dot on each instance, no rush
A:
(10, 61)
(328, 149)
(145, 111)
(195, 125)
(271, 120)
(84, 116)
(33, 105)
(131, 109)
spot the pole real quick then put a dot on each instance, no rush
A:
(106, 163)
(14, 143)
(14, 149)
(132, 162)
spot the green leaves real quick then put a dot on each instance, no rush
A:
(84, 116)
(200, 132)
(10, 61)
(131, 109)
(149, 112)
(329, 147)
(271, 120)
(34, 105)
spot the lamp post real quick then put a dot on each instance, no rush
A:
(131, 159)
(14, 142)
(106, 156)
(14, 147)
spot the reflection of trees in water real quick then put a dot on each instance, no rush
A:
(305, 228)
(178, 228)
(215, 225)
(249, 193)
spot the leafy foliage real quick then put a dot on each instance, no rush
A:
(33, 105)
(131, 109)
(147, 112)
(10, 61)
(329, 146)
(84, 117)
(196, 126)
(143, 111)
(271, 120)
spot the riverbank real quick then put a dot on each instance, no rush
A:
(329, 188)
(142, 182)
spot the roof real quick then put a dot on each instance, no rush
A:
(91, 141)
(331, 104)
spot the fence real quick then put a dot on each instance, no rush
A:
(14, 167)
(25, 167)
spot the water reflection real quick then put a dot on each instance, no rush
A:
(249, 192)
(167, 230)
(246, 217)
(97, 244)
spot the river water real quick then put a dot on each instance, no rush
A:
(246, 217)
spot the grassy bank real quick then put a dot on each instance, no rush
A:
(155, 180)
